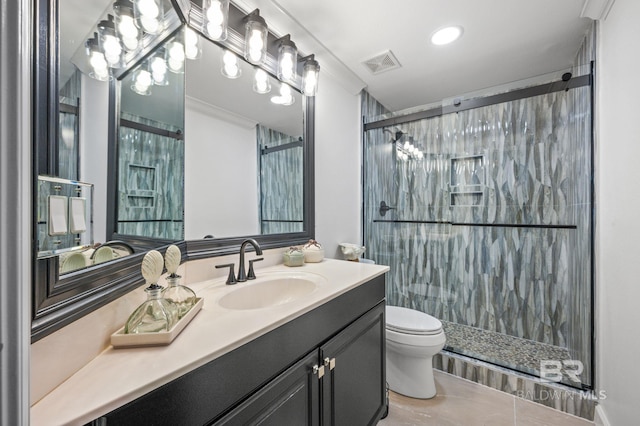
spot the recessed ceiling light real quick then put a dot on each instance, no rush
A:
(446, 35)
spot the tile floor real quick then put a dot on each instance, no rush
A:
(460, 402)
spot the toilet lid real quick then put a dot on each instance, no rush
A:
(404, 320)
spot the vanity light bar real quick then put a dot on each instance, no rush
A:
(127, 38)
(242, 27)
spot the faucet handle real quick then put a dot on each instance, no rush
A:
(231, 279)
(252, 275)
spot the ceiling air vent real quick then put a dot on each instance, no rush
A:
(382, 62)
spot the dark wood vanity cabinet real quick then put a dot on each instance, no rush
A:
(326, 367)
(353, 387)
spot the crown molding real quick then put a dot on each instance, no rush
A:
(596, 9)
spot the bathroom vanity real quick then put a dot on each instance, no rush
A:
(318, 358)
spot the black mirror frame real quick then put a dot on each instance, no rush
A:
(56, 302)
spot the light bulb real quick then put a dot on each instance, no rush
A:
(176, 51)
(310, 83)
(261, 82)
(150, 25)
(255, 55)
(158, 69)
(175, 65)
(130, 43)
(112, 50)
(97, 61)
(285, 98)
(142, 82)
(229, 58)
(143, 79)
(148, 8)
(99, 65)
(287, 66)
(285, 91)
(230, 65)
(176, 57)
(255, 41)
(231, 70)
(112, 46)
(191, 51)
(215, 17)
(310, 72)
(214, 13)
(190, 37)
(127, 27)
(255, 37)
(255, 46)
(215, 31)
(191, 41)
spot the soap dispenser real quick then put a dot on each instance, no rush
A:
(156, 313)
(183, 297)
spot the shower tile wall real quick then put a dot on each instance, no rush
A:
(281, 203)
(150, 183)
(517, 163)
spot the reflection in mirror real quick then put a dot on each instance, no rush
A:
(76, 138)
(97, 39)
(243, 152)
(82, 118)
(151, 146)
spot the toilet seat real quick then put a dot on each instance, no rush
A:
(410, 321)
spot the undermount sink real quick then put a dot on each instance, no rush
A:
(270, 291)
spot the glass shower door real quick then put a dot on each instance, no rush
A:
(486, 225)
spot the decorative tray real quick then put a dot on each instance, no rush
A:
(121, 340)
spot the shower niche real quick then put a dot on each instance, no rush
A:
(467, 181)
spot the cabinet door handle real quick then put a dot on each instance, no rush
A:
(319, 370)
(331, 363)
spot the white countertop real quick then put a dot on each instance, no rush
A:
(119, 376)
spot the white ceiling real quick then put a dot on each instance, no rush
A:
(503, 41)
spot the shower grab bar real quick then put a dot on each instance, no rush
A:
(496, 225)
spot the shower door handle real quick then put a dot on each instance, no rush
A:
(384, 208)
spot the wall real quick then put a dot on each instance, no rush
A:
(618, 203)
(338, 161)
(224, 189)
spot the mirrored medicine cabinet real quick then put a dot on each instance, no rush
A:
(199, 160)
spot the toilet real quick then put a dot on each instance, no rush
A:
(413, 338)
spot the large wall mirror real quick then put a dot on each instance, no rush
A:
(196, 158)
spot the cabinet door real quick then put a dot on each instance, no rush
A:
(353, 387)
(292, 398)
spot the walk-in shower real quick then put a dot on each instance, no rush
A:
(482, 207)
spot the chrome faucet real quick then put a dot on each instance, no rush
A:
(242, 276)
